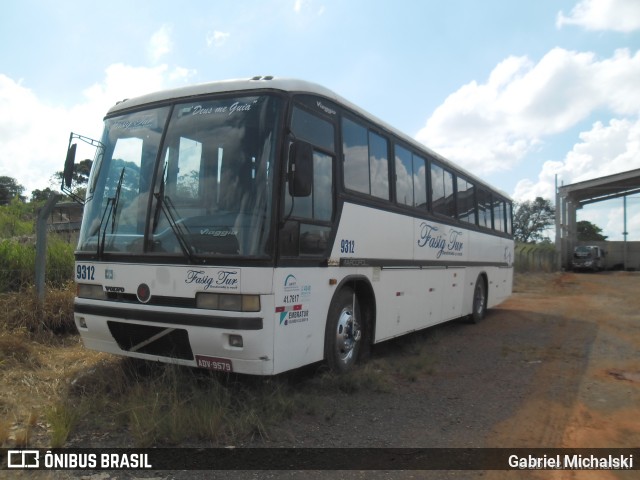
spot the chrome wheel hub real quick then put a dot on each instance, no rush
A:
(348, 334)
(480, 299)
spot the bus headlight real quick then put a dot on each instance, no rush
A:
(95, 292)
(228, 301)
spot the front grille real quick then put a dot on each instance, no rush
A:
(160, 341)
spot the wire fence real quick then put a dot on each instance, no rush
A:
(18, 263)
(12, 280)
(535, 258)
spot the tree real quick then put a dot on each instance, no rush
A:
(531, 219)
(80, 178)
(588, 232)
(41, 195)
(9, 189)
(16, 218)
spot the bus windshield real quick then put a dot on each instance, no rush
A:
(192, 179)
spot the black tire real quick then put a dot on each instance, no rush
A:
(345, 338)
(479, 308)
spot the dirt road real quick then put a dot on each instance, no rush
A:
(586, 388)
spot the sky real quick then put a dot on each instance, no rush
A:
(514, 92)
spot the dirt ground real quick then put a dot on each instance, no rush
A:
(556, 365)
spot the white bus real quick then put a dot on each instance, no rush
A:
(259, 225)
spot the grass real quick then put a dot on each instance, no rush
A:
(371, 377)
(58, 394)
(5, 431)
(62, 419)
(163, 404)
(23, 311)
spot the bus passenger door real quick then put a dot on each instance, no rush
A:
(307, 217)
(305, 231)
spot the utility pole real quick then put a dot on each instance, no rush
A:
(625, 233)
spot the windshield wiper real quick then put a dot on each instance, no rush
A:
(164, 204)
(109, 212)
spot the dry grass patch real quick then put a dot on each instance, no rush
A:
(23, 311)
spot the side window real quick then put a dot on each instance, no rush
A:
(498, 215)
(318, 205)
(379, 166)
(509, 219)
(307, 232)
(442, 198)
(404, 176)
(484, 208)
(312, 129)
(356, 156)
(366, 163)
(466, 201)
(411, 178)
(419, 182)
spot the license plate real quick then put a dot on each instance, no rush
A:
(214, 363)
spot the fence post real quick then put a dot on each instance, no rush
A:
(41, 244)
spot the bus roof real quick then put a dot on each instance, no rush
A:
(290, 85)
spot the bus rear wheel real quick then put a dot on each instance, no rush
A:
(344, 336)
(479, 308)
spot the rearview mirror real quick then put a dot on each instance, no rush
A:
(67, 174)
(300, 169)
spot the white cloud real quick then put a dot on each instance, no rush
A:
(492, 126)
(217, 38)
(617, 15)
(297, 5)
(603, 150)
(124, 81)
(300, 6)
(34, 133)
(30, 136)
(160, 43)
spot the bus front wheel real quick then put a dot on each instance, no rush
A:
(479, 308)
(344, 336)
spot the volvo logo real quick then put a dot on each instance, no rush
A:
(114, 289)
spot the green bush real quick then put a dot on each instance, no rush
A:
(18, 260)
(60, 261)
(17, 265)
(18, 250)
(17, 219)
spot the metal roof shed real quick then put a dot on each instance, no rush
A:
(570, 198)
